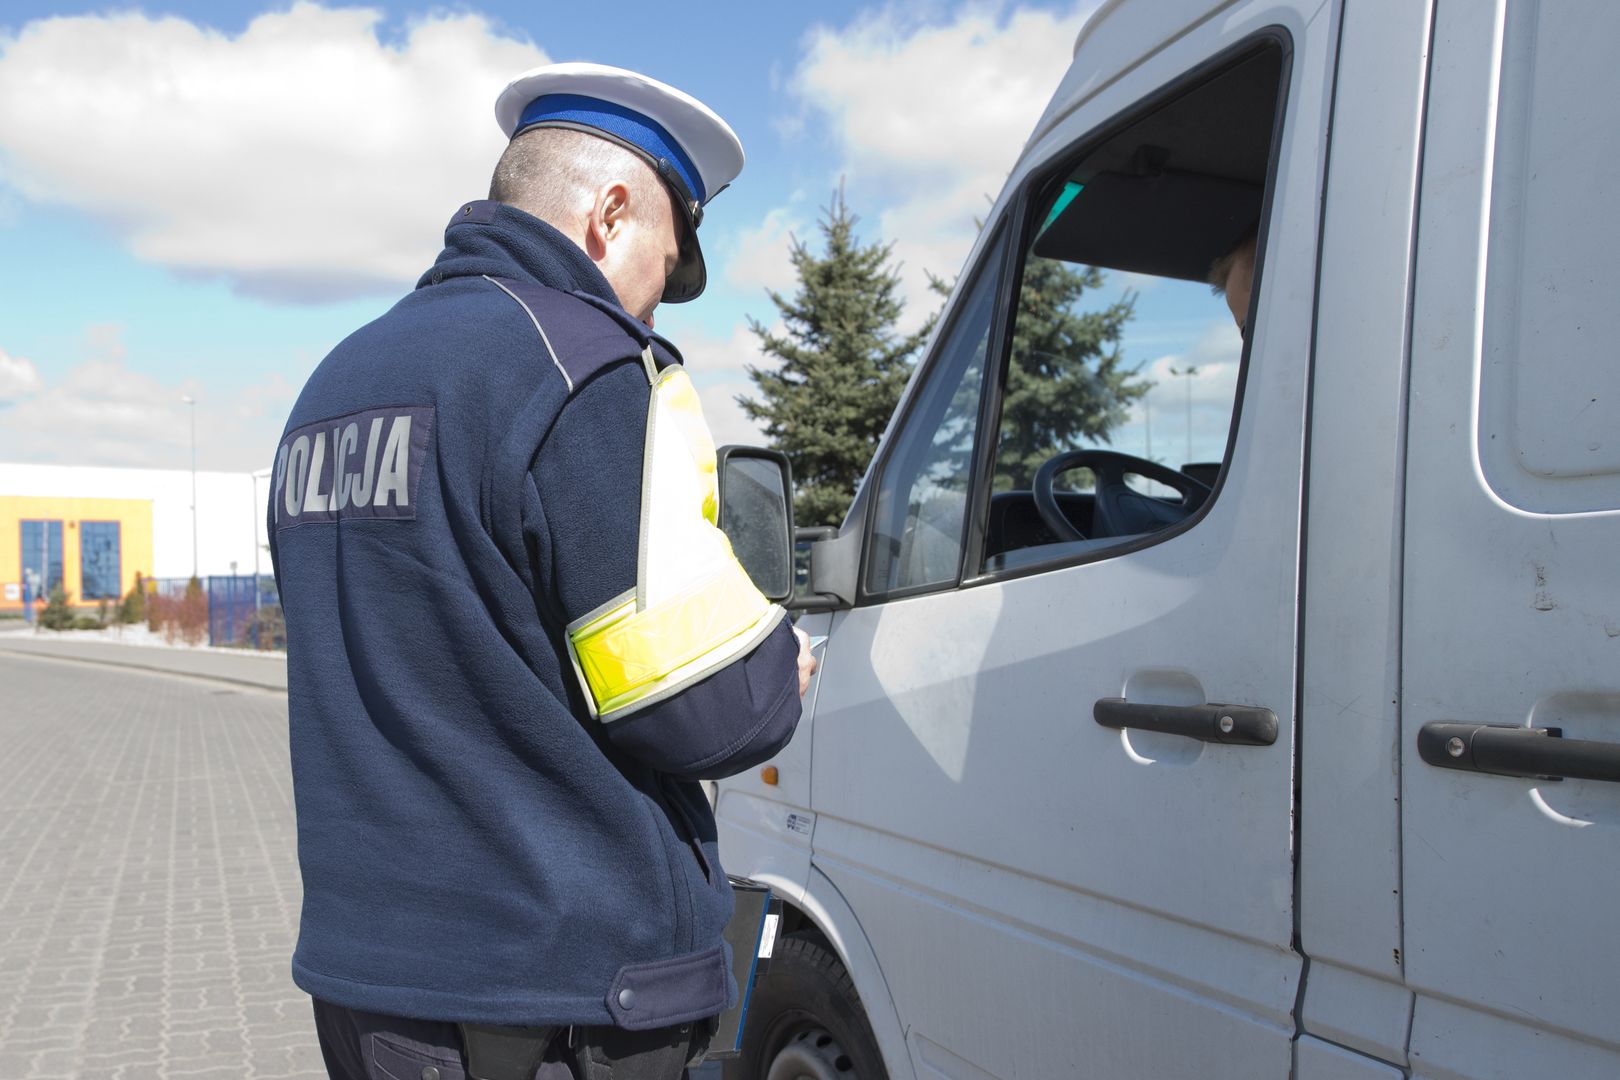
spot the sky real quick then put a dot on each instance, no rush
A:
(201, 199)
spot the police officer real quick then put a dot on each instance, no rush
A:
(516, 638)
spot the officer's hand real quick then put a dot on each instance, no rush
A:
(807, 662)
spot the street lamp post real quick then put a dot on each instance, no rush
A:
(255, 535)
(191, 401)
(1188, 371)
(1147, 421)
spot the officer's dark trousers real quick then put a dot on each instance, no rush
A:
(368, 1046)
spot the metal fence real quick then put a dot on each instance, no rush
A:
(242, 610)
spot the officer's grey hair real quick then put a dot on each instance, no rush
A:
(554, 173)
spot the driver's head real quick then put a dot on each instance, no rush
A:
(1232, 276)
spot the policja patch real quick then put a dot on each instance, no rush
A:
(364, 465)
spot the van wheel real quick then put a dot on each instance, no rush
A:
(805, 1021)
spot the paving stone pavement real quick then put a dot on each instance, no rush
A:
(149, 885)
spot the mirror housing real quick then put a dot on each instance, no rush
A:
(835, 559)
(756, 514)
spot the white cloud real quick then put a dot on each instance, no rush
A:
(947, 101)
(102, 413)
(719, 368)
(304, 158)
(929, 119)
(727, 421)
(18, 378)
(761, 257)
(1187, 417)
(1213, 361)
(1136, 282)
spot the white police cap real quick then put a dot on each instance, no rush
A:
(687, 144)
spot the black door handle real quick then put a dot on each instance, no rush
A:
(1236, 725)
(1507, 750)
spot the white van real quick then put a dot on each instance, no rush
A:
(1298, 760)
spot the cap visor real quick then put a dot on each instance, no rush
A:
(690, 276)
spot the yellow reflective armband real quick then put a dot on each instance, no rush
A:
(694, 608)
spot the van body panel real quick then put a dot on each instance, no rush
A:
(831, 914)
(1349, 871)
(792, 788)
(1366, 1014)
(934, 1062)
(1318, 1060)
(768, 826)
(1075, 962)
(1549, 418)
(1512, 617)
(1115, 39)
(770, 838)
(1453, 1042)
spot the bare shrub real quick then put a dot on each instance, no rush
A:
(156, 608)
(162, 616)
(192, 614)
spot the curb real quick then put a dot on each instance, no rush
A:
(150, 669)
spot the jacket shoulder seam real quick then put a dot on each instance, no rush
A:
(579, 339)
(540, 329)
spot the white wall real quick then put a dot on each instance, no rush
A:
(230, 518)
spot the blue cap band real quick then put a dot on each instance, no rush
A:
(622, 123)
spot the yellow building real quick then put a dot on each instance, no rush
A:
(93, 547)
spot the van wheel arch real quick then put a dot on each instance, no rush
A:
(796, 921)
(813, 905)
(806, 1019)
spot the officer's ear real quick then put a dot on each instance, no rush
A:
(610, 214)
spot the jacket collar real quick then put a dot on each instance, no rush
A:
(486, 237)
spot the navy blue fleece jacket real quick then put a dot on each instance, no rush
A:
(447, 497)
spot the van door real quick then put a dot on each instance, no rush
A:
(1511, 656)
(1053, 763)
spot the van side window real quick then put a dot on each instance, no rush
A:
(921, 501)
(1120, 390)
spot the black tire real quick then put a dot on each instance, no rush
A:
(805, 1021)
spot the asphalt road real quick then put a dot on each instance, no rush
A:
(148, 883)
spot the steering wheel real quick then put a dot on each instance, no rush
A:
(1119, 509)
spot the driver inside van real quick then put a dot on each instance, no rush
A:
(1232, 276)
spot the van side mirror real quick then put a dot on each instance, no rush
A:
(756, 514)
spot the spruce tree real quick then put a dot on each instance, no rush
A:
(1067, 385)
(842, 365)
